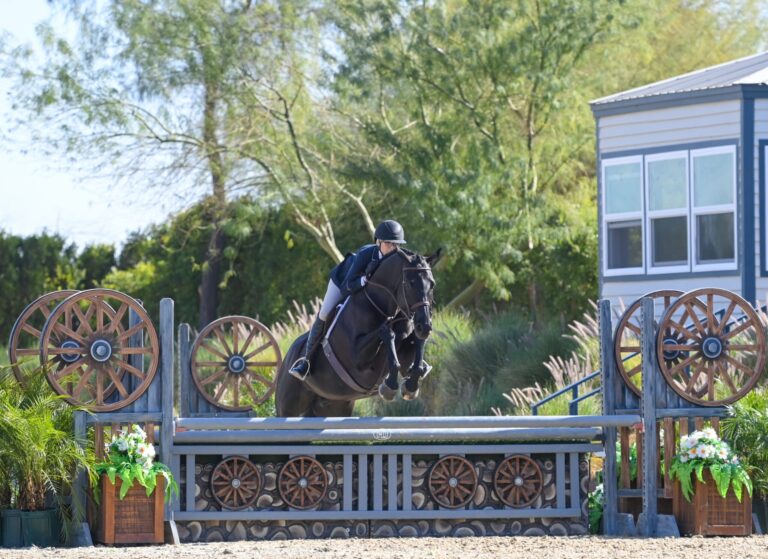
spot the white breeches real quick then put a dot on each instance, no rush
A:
(331, 299)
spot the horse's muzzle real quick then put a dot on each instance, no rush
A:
(422, 324)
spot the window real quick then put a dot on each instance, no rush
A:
(670, 212)
(714, 207)
(667, 193)
(623, 203)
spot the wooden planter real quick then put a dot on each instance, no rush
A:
(708, 514)
(135, 519)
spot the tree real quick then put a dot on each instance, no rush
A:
(459, 97)
(96, 261)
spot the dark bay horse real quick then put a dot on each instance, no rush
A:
(379, 332)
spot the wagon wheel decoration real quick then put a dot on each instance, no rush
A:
(518, 481)
(626, 345)
(24, 342)
(302, 482)
(110, 360)
(235, 483)
(719, 345)
(233, 363)
(452, 481)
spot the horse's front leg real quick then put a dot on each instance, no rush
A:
(409, 388)
(388, 388)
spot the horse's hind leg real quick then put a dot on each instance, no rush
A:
(332, 408)
(292, 397)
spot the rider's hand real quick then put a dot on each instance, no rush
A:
(371, 267)
(363, 281)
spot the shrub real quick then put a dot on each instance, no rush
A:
(505, 353)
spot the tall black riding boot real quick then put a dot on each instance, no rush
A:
(300, 368)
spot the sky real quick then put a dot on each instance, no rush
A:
(39, 194)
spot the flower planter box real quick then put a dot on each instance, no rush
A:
(22, 528)
(135, 519)
(708, 514)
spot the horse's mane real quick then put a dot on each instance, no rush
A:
(410, 256)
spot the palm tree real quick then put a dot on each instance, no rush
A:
(38, 451)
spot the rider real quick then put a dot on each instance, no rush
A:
(346, 278)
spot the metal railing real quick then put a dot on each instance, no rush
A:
(573, 388)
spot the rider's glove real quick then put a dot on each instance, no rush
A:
(371, 267)
(363, 281)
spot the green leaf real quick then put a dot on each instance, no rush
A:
(127, 477)
(150, 483)
(699, 469)
(722, 476)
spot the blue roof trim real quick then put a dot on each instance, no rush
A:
(678, 275)
(762, 144)
(668, 147)
(669, 100)
(747, 200)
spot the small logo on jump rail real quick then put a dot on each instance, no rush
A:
(382, 435)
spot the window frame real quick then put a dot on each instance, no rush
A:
(623, 216)
(709, 210)
(650, 214)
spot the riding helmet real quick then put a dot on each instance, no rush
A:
(390, 231)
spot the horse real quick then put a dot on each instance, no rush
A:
(374, 331)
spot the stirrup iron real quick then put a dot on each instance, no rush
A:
(297, 375)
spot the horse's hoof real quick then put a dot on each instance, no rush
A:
(386, 392)
(408, 394)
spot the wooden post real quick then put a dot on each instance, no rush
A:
(185, 379)
(648, 410)
(608, 373)
(166, 375)
(80, 487)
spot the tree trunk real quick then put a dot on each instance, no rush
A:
(533, 302)
(467, 295)
(209, 283)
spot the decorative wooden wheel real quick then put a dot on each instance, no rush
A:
(233, 363)
(452, 481)
(626, 345)
(518, 481)
(24, 342)
(711, 347)
(107, 351)
(302, 482)
(235, 483)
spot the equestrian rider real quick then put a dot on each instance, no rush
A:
(346, 278)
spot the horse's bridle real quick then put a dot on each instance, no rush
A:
(408, 313)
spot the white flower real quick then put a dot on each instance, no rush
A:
(722, 453)
(735, 460)
(684, 459)
(709, 433)
(693, 453)
(706, 451)
(122, 445)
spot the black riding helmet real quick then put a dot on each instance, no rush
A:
(390, 231)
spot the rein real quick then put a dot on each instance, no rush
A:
(412, 308)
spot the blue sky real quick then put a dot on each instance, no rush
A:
(37, 193)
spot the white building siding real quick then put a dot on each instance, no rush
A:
(624, 293)
(690, 124)
(675, 125)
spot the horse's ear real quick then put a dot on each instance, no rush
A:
(433, 259)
